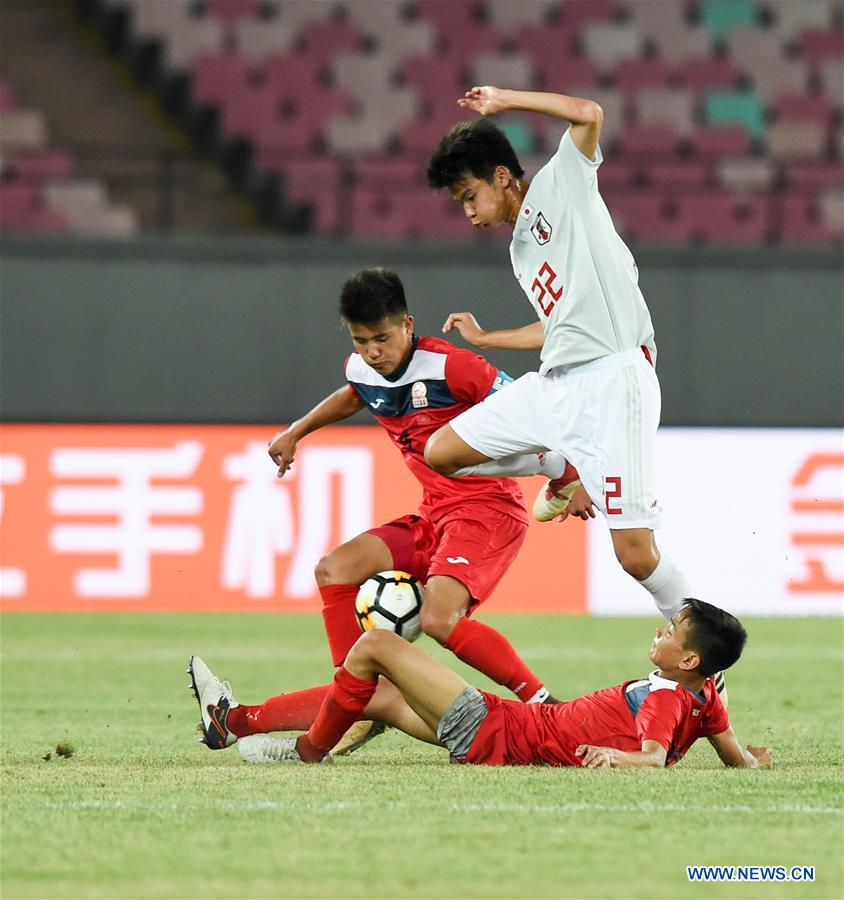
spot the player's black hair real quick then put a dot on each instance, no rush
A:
(372, 295)
(717, 636)
(475, 147)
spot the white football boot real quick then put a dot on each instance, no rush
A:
(215, 699)
(269, 748)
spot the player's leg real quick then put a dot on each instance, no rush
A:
(428, 687)
(610, 410)
(636, 550)
(339, 575)
(472, 554)
(508, 425)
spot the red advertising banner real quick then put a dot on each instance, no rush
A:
(193, 518)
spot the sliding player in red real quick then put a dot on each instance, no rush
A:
(647, 723)
(461, 541)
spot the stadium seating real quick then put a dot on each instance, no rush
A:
(734, 104)
(40, 191)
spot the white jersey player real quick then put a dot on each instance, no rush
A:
(595, 398)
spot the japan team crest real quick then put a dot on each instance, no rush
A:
(540, 229)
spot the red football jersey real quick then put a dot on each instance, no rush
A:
(652, 709)
(438, 383)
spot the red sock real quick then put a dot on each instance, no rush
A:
(488, 651)
(287, 712)
(346, 699)
(338, 614)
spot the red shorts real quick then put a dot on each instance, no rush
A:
(475, 545)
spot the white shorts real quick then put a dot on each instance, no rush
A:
(602, 415)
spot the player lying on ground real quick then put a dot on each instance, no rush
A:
(464, 535)
(596, 396)
(650, 722)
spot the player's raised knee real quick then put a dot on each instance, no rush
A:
(438, 623)
(325, 571)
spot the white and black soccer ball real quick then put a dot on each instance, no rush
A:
(392, 601)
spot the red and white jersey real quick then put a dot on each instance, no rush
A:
(651, 709)
(438, 382)
(577, 272)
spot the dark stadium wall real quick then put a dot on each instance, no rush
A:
(247, 331)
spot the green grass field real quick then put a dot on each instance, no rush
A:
(142, 810)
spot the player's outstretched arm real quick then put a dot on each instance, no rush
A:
(343, 403)
(529, 337)
(586, 116)
(651, 756)
(735, 756)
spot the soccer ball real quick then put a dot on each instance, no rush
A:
(392, 601)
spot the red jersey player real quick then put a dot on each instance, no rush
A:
(461, 541)
(647, 723)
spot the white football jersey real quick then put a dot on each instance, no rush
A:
(577, 272)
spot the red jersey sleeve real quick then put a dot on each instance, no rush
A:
(469, 376)
(659, 716)
(717, 720)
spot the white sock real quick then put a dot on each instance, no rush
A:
(551, 463)
(668, 586)
(540, 696)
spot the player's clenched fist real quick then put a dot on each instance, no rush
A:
(466, 324)
(282, 449)
(485, 100)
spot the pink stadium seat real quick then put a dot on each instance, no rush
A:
(460, 32)
(556, 72)
(256, 116)
(7, 96)
(420, 136)
(680, 175)
(218, 76)
(408, 213)
(294, 78)
(716, 141)
(802, 108)
(633, 74)
(641, 216)
(17, 199)
(230, 11)
(578, 13)
(651, 141)
(710, 73)
(812, 175)
(553, 51)
(322, 41)
(389, 172)
(818, 46)
(618, 175)
(36, 168)
(722, 218)
(800, 221)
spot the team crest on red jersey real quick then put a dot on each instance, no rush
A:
(540, 229)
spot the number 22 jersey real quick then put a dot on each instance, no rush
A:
(576, 271)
